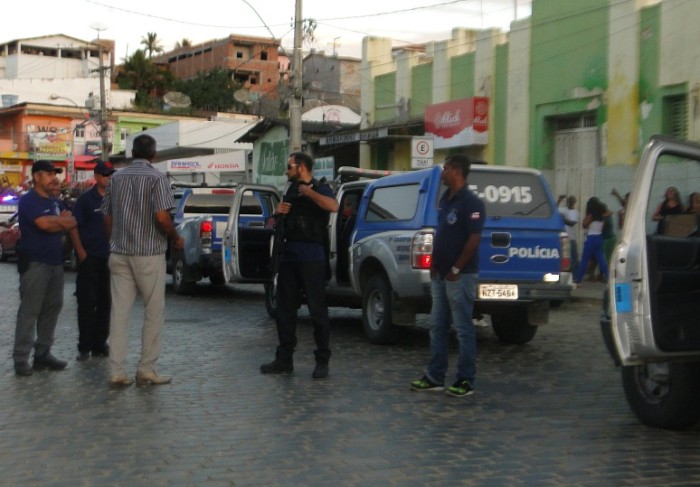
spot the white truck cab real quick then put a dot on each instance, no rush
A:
(651, 318)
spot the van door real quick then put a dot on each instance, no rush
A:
(248, 234)
(655, 269)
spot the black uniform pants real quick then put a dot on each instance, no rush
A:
(293, 278)
(94, 304)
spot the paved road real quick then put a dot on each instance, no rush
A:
(548, 413)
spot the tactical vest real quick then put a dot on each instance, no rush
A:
(305, 222)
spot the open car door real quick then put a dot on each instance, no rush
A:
(249, 230)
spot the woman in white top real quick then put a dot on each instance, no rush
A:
(593, 247)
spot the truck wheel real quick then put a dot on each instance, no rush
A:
(664, 395)
(376, 312)
(271, 297)
(513, 327)
(180, 285)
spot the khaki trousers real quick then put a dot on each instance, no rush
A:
(130, 275)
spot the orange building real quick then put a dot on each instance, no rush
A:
(253, 61)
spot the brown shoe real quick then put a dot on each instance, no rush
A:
(120, 380)
(144, 378)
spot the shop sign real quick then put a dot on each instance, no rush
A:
(458, 123)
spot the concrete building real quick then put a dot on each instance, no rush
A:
(331, 80)
(253, 61)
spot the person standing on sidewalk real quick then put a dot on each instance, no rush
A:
(42, 224)
(92, 283)
(305, 210)
(571, 218)
(136, 208)
(453, 274)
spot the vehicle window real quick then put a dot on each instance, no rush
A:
(250, 204)
(673, 197)
(208, 203)
(511, 194)
(393, 203)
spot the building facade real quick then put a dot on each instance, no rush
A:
(575, 91)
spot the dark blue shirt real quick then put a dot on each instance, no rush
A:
(41, 246)
(458, 218)
(296, 251)
(88, 214)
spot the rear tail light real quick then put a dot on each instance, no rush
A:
(565, 265)
(206, 228)
(422, 250)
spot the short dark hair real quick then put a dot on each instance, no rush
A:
(459, 162)
(303, 158)
(144, 147)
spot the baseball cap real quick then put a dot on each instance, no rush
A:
(104, 168)
(45, 166)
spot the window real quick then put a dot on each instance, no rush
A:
(123, 134)
(675, 115)
(208, 203)
(393, 203)
(263, 56)
(510, 194)
(239, 55)
(79, 132)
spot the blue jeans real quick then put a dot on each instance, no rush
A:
(453, 302)
(592, 247)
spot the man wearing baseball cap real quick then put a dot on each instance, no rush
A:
(92, 283)
(40, 266)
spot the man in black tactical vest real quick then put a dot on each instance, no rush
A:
(304, 212)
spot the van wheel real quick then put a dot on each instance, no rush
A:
(271, 297)
(664, 395)
(180, 285)
(512, 326)
(376, 312)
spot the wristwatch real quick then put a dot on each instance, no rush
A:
(455, 270)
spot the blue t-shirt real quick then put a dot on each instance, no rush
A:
(41, 246)
(91, 227)
(458, 218)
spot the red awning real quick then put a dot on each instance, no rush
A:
(84, 161)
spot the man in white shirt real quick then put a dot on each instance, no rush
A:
(571, 218)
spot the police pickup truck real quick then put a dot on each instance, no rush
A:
(381, 241)
(650, 320)
(200, 218)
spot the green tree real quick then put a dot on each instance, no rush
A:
(152, 44)
(211, 90)
(185, 42)
(140, 73)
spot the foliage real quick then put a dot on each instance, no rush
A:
(211, 90)
(152, 44)
(141, 74)
(185, 42)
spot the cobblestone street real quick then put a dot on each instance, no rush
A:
(551, 412)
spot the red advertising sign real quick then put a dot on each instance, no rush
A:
(458, 123)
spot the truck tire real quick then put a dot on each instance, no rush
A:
(512, 326)
(376, 312)
(664, 395)
(271, 297)
(180, 284)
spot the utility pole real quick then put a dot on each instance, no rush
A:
(104, 128)
(295, 102)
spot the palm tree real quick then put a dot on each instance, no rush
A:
(151, 44)
(185, 42)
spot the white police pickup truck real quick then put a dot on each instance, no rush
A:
(381, 240)
(650, 319)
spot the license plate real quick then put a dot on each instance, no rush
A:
(498, 291)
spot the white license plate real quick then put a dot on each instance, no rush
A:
(498, 291)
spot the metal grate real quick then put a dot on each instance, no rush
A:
(576, 122)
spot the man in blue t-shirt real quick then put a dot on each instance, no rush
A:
(42, 223)
(92, 283)
(453, 271)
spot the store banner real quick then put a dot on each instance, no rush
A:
(458, 123)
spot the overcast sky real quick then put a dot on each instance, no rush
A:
(341, 25)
